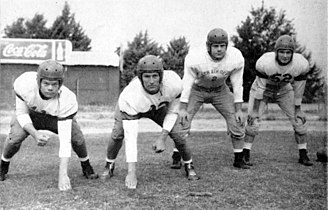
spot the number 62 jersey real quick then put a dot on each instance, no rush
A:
(273, 79)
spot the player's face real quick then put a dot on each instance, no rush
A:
(151, 82)
(218, 51)
(49, 88)
(284, 56)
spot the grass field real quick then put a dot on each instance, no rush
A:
(276, 181)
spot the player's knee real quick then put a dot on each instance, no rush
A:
(179, 136)
(117, 138)
(252, 130)
(300, 127)
(16, 138)
(253, 125)
(237, 136)
(300, 130)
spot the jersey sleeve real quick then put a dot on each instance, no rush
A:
(300, 81)
(68, 104)
(236, 78)
(22, 112)
(188, 79)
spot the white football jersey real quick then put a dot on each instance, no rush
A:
(280, 76)
(62, 106)
(135, 100)
(201, 69)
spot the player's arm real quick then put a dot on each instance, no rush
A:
(188, 80)
(130, 127)
(299, 87)
(24, 120)
(236, 78)
(168, 124)
(64, 134)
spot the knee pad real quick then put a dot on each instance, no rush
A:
(300, 128)
(253, 125)
(179, 137)
(238, 136)
(117, 137)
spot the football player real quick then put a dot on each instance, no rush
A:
(204, 81)
(153, 94)
(281, 78)
(44, 103)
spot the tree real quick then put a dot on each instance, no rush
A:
(257, 35)
(36, 27)
(174, 57)
(140, 46)
(64, 27)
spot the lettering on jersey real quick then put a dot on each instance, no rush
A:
(280, 77)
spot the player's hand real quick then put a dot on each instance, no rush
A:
(159, 145)
(41, 139)
(239, 117)
(299, 115)
(184, 117)
(64, 182)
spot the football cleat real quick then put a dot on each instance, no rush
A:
(304, 159)
(246, 157)
(176, 164)
(88, 170)
(4, 167)
(241, 164)
(190, 172)
(109, 170)
(239, 161)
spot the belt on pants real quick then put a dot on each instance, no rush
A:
(207, 89)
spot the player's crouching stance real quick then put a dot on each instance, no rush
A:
(154, 94)
(281, 78)
(44, 103)
(204, 81)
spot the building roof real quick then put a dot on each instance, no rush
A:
(92, 58)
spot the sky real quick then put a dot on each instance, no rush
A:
(110, 23)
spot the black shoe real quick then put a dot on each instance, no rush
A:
(304, 159)
(246, 157)
(176, 164)
(190, 172)
(239, 161)
(109, 170)
(88, 170)
(322, 157)
(4, 168)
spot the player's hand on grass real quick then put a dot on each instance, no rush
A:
(64, 183)
(41, 138)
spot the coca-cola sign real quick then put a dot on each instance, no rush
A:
(33, 50)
